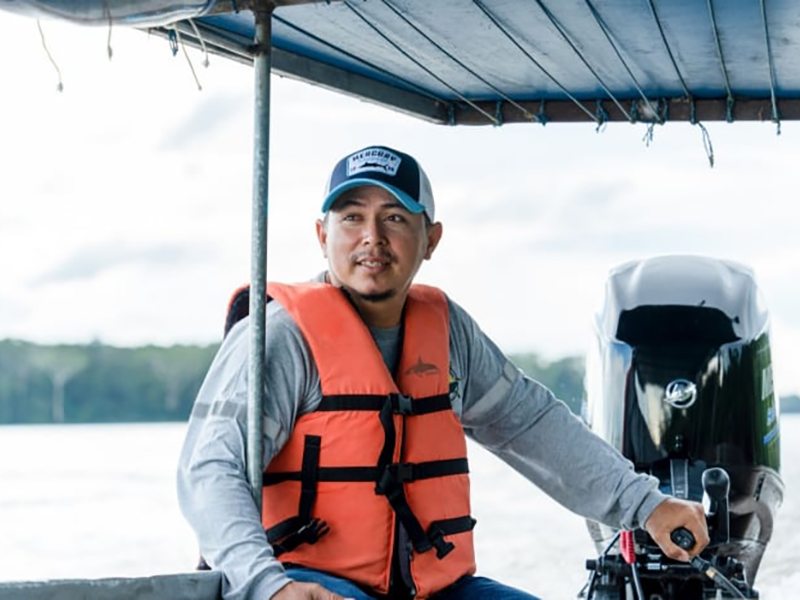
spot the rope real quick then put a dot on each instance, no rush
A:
(433, 42)
(775, 116)
(188, 59)
(663, 105)
(602, 116)
(607, 31)
(60, 86)
(498, 112)
(511, 38)
(709, 148)
(397, 47)
(107, 10)
(541, 116)
(172, 38)
(715, 29)
(202, 42)
(451, 114)
(648, 134)
(575, 49)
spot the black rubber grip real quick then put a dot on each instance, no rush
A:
(682, 537)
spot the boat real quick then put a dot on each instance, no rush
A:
(463, 62)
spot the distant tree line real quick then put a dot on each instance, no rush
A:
(97, 383)
(563, 377)
(790, 404)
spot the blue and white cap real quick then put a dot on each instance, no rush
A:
(394, 171)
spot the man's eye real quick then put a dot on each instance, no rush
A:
(396, 218)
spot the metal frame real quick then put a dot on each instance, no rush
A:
(256, 391)
(301, 68)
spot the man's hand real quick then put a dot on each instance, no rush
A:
(305, 591)
(671, 514)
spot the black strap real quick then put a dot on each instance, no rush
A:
(389, 478)
(310, 533)
(404, 472)
(309, 477)
(452, 526)
(283, 529)
(389, 483)
(301, 529)
(439, 529)
(401, 405)
(389, 436)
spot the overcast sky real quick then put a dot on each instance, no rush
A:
(125, 199)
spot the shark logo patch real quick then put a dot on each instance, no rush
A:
(422, 369)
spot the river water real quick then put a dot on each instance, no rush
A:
(99, 501)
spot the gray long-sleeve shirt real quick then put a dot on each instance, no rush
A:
(513, 416)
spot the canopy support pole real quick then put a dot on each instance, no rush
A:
(256, 392)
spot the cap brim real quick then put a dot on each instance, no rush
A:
(407, 201)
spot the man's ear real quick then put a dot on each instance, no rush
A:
(434, 236)
(322, 236)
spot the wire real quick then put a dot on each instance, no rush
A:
(669, 50)
(714, 575)
(436, 45)
(715, 29)
(60, 86)
(188, 58)
(637, 583)
(107, 10)
(201, 40)
(575, 49)
(397, 47)
(604, 27)
(419, 89)
(511, 38)
(775, 115)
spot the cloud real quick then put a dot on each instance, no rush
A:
(11, 312)
(91, 261)
(211, 114)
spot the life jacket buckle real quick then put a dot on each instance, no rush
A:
(443, 547)
(393, 476)
(402, 404)
(387, 484)
(310, 533)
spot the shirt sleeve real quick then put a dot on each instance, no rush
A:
(522, 422)
(213, 491)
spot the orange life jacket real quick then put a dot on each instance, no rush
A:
(377, 449)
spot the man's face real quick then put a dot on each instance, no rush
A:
(375, 246)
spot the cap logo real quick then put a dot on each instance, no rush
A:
(373, 159)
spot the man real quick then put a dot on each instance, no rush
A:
(372, 384)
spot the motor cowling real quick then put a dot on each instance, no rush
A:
(680, 381)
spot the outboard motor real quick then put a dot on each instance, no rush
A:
(680, 382)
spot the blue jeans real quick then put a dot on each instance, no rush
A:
(466, 588)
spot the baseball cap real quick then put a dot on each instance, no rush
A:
(395, 171)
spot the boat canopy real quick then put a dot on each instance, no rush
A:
(499, 61)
